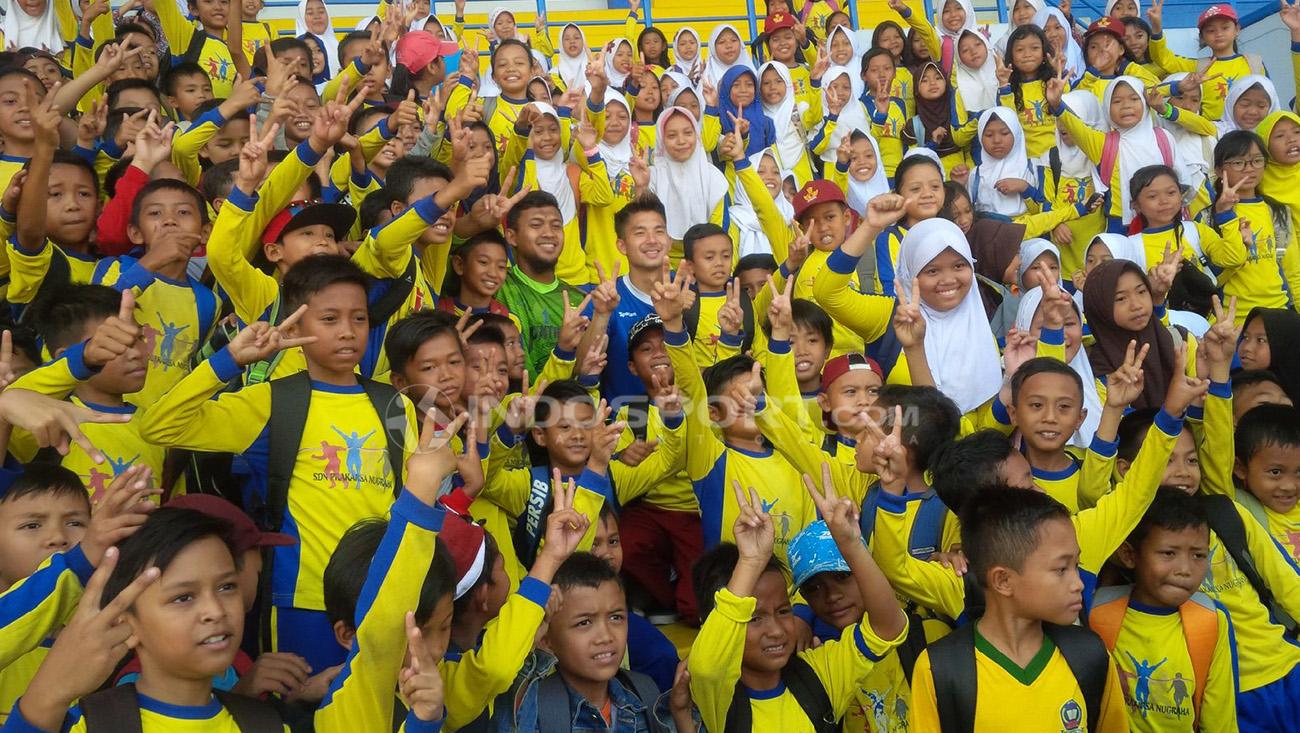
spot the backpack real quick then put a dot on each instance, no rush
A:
(952, 665)
(1110, 153)
(1231, 530)
(691, 317)
(1200, 628)
(802, 682)
(926, 537)
(554, 715)
(117, 710)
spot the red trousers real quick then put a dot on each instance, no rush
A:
(657, 541)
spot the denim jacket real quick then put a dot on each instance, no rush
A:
(630, 714)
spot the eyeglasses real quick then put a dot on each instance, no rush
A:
(1241, 164)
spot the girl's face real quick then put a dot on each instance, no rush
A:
(299, 126)
(842, 86)
(1219, 34)
(545, 137)
(680, 139)
(651, 46)
(1073, 331)
(923, 185)
(623, 58)
(1098, 253)
(728, 47)
(318, 58)
(433, 26)
(251, 8)
(539, 91)
(1283, 142)
(46, 70)
(742, 91)
(688, 46)
(318, 19)
(997, 139)
(782, 44)
(892, 41)
(837, 19)
(880, 70)
(571, 41)
(1253, 349)
(841, 49)
(1244, 169)
(932, 85)
(773, 87)
(770, 175)
(667, 86)
(1160, 201)
(1136, 41)
(34, 8)
(510, 70)
(690, 101)
(1055, 33)
(963, 214)
(1034, 275)
(919, 49)
(953, 16)
(617, 123)
(1189, 100)
(504, 26)
(1126, 107)
(480, 142)
(1027, 56)
(945, 280)
(1251, 107)
(972, 51)
(862, 160)
(648, 99)
(1125, 9)
(1104, 52)
(1132, 302)
(1022, 13)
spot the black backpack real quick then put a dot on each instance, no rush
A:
(952, 666)
(802, 682)
(117, 710)
(1227, 524)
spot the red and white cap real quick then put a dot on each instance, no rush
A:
(1218, 11)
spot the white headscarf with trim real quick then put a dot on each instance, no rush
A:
(690, 190)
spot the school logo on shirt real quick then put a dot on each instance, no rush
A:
(344, 464)
(1071, 716)
(168, 343)
(1035, 113)
(1162, 696)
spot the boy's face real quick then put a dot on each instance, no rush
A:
(144, 66)
(136, 99)
(191, 91)
(299, 244)
(1273, 475)
(608, 545)
(337, 316)
(735, 423)
(589, 632)
(440, 231)
(810, 351)
(298, 127)
(1048, 410)
(228, 142)
(538, 238)
(251, 8)
(645, 240)
(567, 434)
(486, 362)
(827, 225)
(190, 622)
(72, 207)
(298, 60)
(126, 373)
(213, 14)
(436, 372)
(835, 598)
(166, 211)
(711, 258)
(482, 270)
(1254, 395)
(1169, 564)
(15, 116)
(516, 358)
(848, 397)
(650, 358)
(753, 280)
(437, 630)
(1183, 471)
(769, 636)
(1016, 472)
(35, 526)
(1047, 586)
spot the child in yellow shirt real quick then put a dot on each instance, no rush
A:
(1268, 468)
(1219, 28)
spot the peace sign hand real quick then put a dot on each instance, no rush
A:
(565, 526)
(260, 340)
(1124, 385)
(640, 170)
(1220, 342)
(419, 682)
(732, 146)
(1155, 16)
(434, 460)
(909, 323)
(253, 161)
(605, 297)
(1183, 389)
(839, 512)
(779, 313)
(731, 319)
(1229, 198)
(1003, 71)
(574, 324)
(1162, 275)
(800, 246)
(1290, 15)
(753, 529)
(672, 296)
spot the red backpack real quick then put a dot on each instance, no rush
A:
(1110, 153)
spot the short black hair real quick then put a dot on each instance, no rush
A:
(406, 336)
(1266, 425)
(698, 232)
(584, 570)
(41, 478)
(374, 207)
(121, 86)
(208, 105)
(8, 71)
(313, 274)
(488, 237)
(345, 573)
(486, 334)
(1132, 431)
(66, 157)
(1043, 365)
(930, 418)
(999, 527)
(163, 536)
(168, 184)
(639, 205)
(406, 171)
(712, 571)
(171, 78)
(1251, 377)
(531, 200)
(1193, 291)
(757, 261)
(960, 468)
(125, 29)
(718, 376)
(809, 315)
(351, 38)
(61, 318)
(558, 393)
(217, 181)
(1172, 510)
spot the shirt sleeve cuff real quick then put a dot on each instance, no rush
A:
(564, 354)
(1221, 389)
(1104, 448)
(429, 211)
(76, 358)
(733, 340)
(383, 128)
(1223, 217)
(416, 725)
(535, 590)
(804, 613)
(1052, 336)
(676, 338)
(842, 263)
(861, 642)
(672, 420)
(740, 164)
(1168, 424)
(245, 201)
(1000, 412)
(308, 154)
(223, 364)
(778, 346)
(596, 106)
(589, 381)
(18, 724)
(418, 513)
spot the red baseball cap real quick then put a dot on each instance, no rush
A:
(1218, 11)
(243, 531)
(777, 21)
(845, 363)
(418, 49)
(1106, 24)
(819, 191)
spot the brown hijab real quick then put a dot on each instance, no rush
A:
(1111, 346)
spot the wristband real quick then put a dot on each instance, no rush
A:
(1169, 110)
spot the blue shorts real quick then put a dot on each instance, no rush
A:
(1273, 708)
(309, 635)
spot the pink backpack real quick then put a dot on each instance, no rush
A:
(1110, 152)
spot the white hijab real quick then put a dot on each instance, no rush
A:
(1121, 247)
(616, 78)
(573, 69)
(1032, 249)
(23, 31)
(969, 25)
(715, 68)
(1074, 162)
(1110, 7)
(1075, 62)
(1029, 303)
(553, 174)
(752, 238)
(1015, 165)
(691, 189)
(923, 152)
(1239, 87)
(959, 343)
(1138, 147)
(1038, 5)
(684, 65)
(853, 117)
(1196, 151)
(860, 192)
(978, 87)
(363, 25)
(791, 138)
(329, 39)
(617, 156)
(855, 63)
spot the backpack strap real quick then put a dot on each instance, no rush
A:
(913, 644)
(1088, 660)
(553, 714)
(926, 537)
(530, 527)
(290, 398)
(113, 710)
(195, 49)
(952, 669)
(260, 371)
(391, 410)
(1256, 63)
(1109, 153)
(393, 296)
(1248, 501)
(251, 715)
(1201, 629)
(1054, 165)
(644, 688)
(1107, 614)
(802, 682)
(1165, 145)
(1231, 530)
